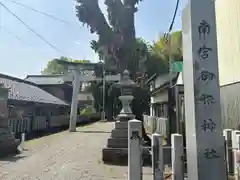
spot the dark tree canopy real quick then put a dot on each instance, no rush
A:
(118, 46)
(116, 42)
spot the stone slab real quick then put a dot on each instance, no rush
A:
(117, 143)
(121, 125)
(119, 156)
(119, 133)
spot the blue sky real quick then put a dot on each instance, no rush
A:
(30, 54)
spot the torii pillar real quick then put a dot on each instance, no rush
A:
(76, 69)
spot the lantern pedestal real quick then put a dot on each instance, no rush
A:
(116, 151)
(126, 112)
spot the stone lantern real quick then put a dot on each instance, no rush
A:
(116, 151)
(126, 85)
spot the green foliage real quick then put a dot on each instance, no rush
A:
(153, 62)
(161, 47)
(53, 67)
(87, 110)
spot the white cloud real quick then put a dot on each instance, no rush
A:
(77, 42)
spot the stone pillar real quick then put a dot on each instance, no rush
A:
(134, 150)
(235, 147)
(229, 151)
(204, 133)
(177, 157)
(74, 105)
(237, 160)
(157, 157)
(8, 144)
(116, 151)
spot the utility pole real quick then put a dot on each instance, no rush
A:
(170, 57)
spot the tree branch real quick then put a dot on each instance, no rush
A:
(89, 12)
(131, 3)
(115, 9)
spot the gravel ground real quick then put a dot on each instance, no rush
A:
(66, 156)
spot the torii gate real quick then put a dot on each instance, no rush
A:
(76, 77)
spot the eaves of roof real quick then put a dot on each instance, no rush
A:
(27, 91)
(165, 85)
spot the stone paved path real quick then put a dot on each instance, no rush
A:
(66, 156)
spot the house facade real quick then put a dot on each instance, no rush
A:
(29, 107)
(167, 103)
(60, 85)
(228, 37)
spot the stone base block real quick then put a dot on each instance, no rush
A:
(8, 143)
(119, 156)
(125, 117)
(121, 125)
(167, 156)
(119, 133)
(117, 143)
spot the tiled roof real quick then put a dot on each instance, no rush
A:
(45, 79)
(26, 91)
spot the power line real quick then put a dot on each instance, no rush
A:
(7, 30)
(29, 28)
(166, 35)
(10, 32)
(43, 13)
(174, 16)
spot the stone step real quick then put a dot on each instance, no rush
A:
(119, 156)
(117, 143)
(121, 125)
(119, 133)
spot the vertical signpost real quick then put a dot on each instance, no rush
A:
(205, 143)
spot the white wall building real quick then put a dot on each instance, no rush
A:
(228, 36)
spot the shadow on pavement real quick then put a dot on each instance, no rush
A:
(12, 158)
